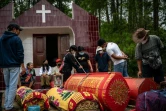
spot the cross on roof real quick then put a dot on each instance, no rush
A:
(43, 12)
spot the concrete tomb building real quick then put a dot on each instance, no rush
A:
(48, 32)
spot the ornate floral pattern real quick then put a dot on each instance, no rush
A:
(119, 92)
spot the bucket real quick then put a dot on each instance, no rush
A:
(34, 108)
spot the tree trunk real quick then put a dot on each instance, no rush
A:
(29, 4)
(140, 13)
(117, 9)
(107, 14)
(155, 15)
(130, 18)
(114, 14)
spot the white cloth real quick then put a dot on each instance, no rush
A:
(98, 48)
(45, 72)
(55, 70)
(113, 48)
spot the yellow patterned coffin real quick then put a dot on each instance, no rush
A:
(73, 101)
(27, 97)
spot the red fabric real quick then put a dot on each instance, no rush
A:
(139, 85)
(58, 60)
(111, 89)
(28, 77)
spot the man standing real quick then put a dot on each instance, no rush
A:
(116, 55)
(83, 60)
(11, 58)
(148, 56)
(102, 60)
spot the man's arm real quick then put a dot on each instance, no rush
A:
(119, 57)
(23, 67)
(97, 70)
(139, 63)
(109, 66)
(90, 65)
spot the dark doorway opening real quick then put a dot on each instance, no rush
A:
(51, 49)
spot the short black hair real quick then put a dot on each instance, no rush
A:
(80, 48)
(14, 25)
(73, 47)
(100, 42)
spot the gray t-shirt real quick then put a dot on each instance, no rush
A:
(149, 52)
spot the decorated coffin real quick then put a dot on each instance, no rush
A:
(139, 85)
(111, 89)
(66, 100)
(27, 97)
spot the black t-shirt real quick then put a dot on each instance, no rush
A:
(83, 60)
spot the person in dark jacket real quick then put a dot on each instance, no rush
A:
(84, 61)
(11, 58)
(69, 61)
(102, 61)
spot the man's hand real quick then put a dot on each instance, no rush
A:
(139, 74)
(23, 68)
(80, 67)
(44, 75)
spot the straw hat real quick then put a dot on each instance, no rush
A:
(140, 35)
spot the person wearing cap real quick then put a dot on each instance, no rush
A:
(11, 58)
(102, 60)
(69, 61)
(55, 70)
(117, 56)
(147, 54)
(84, 61)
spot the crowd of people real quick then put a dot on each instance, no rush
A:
(147, 54)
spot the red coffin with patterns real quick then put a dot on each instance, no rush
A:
(139, 85)
(111, 89)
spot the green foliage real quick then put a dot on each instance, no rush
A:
(124, 41)
(4, 3)
(117, 20)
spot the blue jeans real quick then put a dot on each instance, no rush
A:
(121, 67)
(11, 81)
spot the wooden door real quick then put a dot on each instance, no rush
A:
(63, 45)
(39, 50)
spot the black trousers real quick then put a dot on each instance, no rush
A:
(66, 75)
(149, 72)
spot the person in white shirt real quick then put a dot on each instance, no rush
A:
(117, 56)
(45, 73)
(55, 70)
(56, 73)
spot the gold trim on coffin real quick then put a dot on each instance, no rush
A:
(72, 83)
(88, 106)
(91, 84)
(119, 91)
(105, 87)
